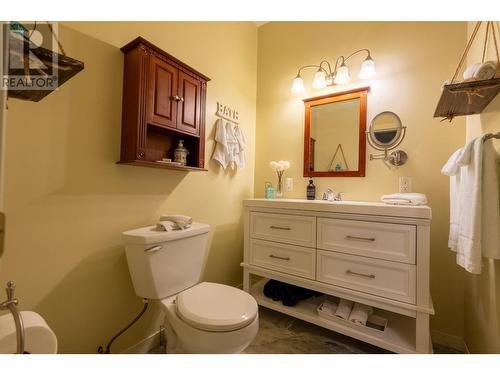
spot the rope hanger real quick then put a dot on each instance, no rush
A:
(492, 29)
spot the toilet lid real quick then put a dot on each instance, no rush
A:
(216, 307)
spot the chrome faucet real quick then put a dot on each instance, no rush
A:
(11, 304)
(330, 196)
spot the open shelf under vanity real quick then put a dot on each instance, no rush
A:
(399, 335)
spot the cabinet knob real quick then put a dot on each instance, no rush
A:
(177, 98)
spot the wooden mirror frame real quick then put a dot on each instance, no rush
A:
(358, 93)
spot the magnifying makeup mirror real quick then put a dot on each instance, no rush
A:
(386, 132)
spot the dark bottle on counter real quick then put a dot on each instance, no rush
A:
(311, 191)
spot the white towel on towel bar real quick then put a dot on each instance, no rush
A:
(452, 169)
(474, 203)
(491, 201)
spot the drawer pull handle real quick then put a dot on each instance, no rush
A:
(281, 228)
(349, 272)
(354, 238)
(278, 257)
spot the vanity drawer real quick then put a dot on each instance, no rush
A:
(295, 260)
(392, 280)
(292, 229)
(395, 242)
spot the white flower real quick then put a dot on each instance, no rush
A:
(285, 164)
(280, 166)
(274, 165)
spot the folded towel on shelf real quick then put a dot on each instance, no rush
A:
(486, 70)
(344, 309)
(470, 71)
(360, 313)
(329, 307)
(412, 199)
(288, 294)
(181, 221)
(480, 71)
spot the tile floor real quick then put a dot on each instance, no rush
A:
(282, 334)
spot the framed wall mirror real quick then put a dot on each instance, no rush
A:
(334, 134)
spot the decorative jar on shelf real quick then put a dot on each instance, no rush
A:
(181, 153)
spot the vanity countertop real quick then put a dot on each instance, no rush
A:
(352, 207)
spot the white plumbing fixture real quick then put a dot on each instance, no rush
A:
(199, 317)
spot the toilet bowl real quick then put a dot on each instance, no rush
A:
(200, 317)
(210, 318)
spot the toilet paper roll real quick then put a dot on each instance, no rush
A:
(360, 313)
(344, 309)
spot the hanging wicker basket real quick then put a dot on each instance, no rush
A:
(470, 97)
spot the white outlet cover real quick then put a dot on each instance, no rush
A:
(404, 184)
(289, 183)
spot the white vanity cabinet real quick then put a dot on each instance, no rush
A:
(366, 252)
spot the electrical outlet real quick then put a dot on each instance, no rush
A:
(289, 184)
(405, 184)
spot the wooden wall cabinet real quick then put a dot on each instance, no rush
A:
(163, 102)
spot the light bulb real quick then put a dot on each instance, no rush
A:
(367, 69)
(342, 75)
(297, 85)
(319, 81)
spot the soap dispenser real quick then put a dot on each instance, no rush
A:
(311, 191)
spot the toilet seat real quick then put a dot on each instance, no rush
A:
(216, 307)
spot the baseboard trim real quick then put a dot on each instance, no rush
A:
(450, 341)
(146, 344)
(466, 351)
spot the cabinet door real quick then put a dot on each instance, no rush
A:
(189, 106)
(162, 88)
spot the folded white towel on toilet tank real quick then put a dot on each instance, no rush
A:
(179, 221)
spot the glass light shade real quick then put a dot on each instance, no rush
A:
(342, 75)
(297, 85)
(319, 81)
(367, 69)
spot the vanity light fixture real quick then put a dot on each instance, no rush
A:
(326, 77)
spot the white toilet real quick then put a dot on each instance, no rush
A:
(199, 317)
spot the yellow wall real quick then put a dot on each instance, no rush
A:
(412, 60)
(67, 202)
(482, 292)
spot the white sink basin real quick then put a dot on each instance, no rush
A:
(38, 337)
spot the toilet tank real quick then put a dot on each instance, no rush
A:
(165, 263)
